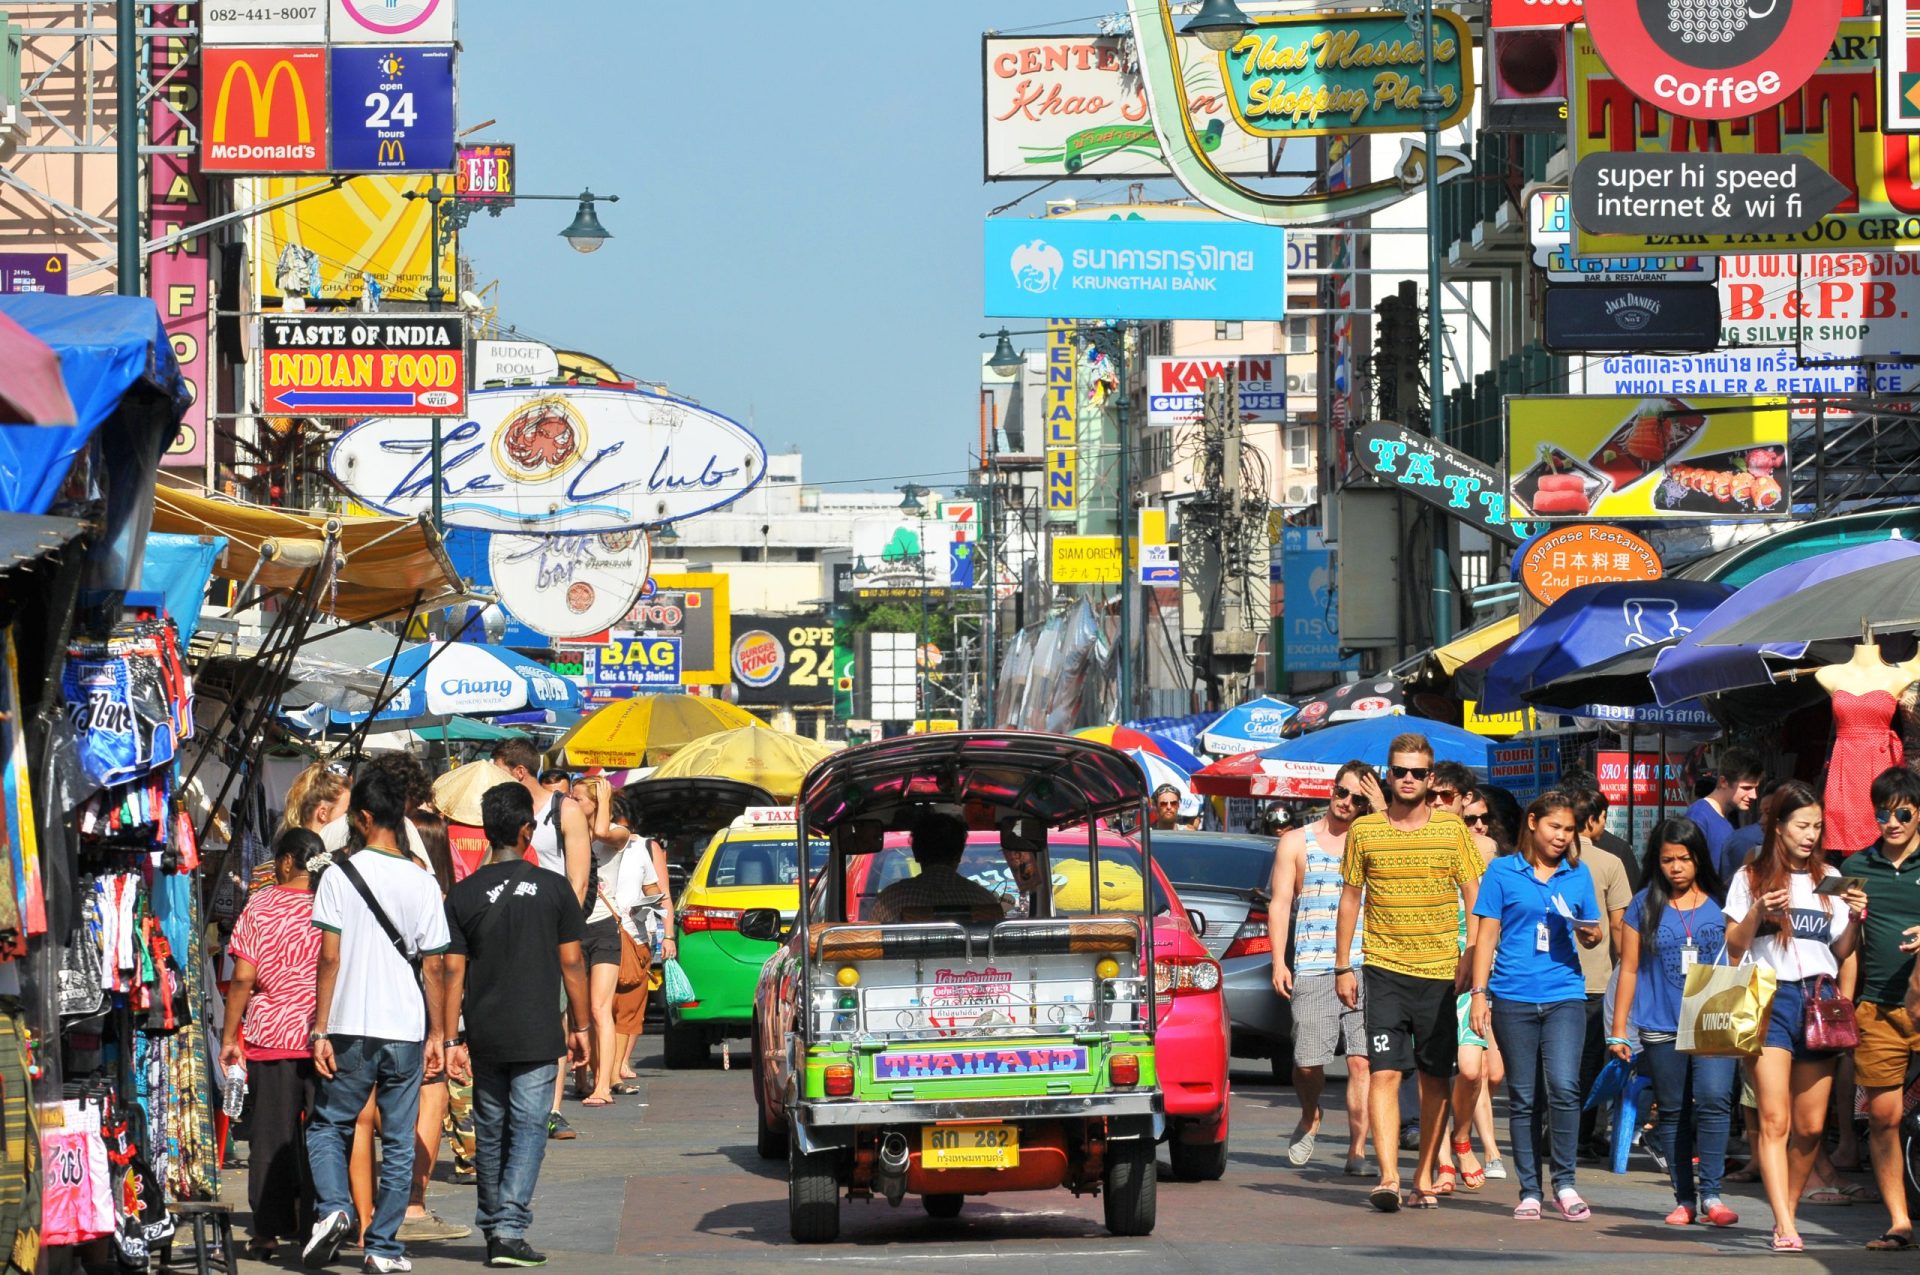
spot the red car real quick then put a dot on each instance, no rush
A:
(1192, 1040)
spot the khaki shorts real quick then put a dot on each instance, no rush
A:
(1887, 1039)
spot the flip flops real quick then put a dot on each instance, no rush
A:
(1891, 1242)
(1787, 1243)
(1418, 1199)
(1444, 1185)
(1385, 1197)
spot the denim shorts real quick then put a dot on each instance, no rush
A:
(1785, 1026)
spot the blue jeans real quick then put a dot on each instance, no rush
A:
(510, 1106)
(1696, 1110)
(390, 1070)
(1541, 1045)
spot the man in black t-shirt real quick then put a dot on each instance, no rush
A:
(515, 931)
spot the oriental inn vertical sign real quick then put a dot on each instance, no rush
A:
(1062, 419)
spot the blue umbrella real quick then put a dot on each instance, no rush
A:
(1305, 767)
(1593, 623)
(466, 679)
(1253, 725)
(1690, 668)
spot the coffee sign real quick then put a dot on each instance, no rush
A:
(1714, 59)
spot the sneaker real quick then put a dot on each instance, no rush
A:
(324, 1244)
(513, 1250)
(379, 1265)
(558, 1129)
(429, 1227)
(1496, 1170)
(1410, 1138)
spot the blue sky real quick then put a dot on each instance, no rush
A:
(798, 234)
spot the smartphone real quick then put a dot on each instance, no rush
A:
(1839, 885)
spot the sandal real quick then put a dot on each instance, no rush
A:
(1418, 1199)
(1787, 1243)
(1831, 1196)
(1891, 1242)
(1385, 1197)
(1571, 1206)
(1527, 1210)
(625, 1090)
(1472, 1179)
(591, 1101)
(1444, 1185)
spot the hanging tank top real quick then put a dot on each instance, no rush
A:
(1316, 914)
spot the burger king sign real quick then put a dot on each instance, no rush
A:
(759, 659)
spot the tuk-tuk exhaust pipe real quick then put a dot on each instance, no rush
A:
(890, 1170)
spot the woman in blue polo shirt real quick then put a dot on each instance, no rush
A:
(1528, 986)
(1671, 926)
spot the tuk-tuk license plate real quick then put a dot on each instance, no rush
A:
(970, 1146)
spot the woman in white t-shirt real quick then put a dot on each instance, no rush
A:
(1777, 917)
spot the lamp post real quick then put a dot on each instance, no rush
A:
(910, 503)
(449, 212)
(1005, 361)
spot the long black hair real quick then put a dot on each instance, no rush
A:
(1677, 831)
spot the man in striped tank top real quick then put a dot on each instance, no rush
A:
(1307, 885)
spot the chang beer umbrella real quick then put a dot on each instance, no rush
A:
(768, 759)
(434, 681)
(1248, 727)
(648, 729)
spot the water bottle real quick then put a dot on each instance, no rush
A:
(233, 1095)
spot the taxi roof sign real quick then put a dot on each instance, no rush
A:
(768, 817)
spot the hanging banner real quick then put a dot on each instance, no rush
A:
(1061, 106)
(1717, 60)
(265, 111)
(1310, 630)
(180, 277)
(1062, 400)
(569, 586)
(387, 21)
(392, 109)
(1321, 74)
(1832, 119)
(538, 460)
(356, 364)
(1134, 269)
(1177, 387)
(1448, 479)
(1552, 565)
(1574, 458)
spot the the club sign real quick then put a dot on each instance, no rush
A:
(1707, 192)
(1713, 59)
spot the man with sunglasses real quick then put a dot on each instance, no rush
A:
(1306, 892)
(1166, 808)
(1889, 937)
(1417, 873)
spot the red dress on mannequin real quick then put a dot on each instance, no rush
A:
(1863, 745)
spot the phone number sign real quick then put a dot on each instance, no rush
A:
(650, 663)
(392, 109)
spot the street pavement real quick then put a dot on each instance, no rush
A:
(669, 1181)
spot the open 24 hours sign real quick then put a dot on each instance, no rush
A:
(364, 365)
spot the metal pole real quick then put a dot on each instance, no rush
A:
(1436, 385)
(126, 56)
(990, 550)
(435, 296)
(920, 656)
(1125, 502)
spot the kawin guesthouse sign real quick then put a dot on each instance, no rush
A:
(1314, 74)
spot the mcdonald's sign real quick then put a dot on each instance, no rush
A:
(265, 111)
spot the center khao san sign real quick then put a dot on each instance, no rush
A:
(1317, 74)
(555, 460)
(356, 364)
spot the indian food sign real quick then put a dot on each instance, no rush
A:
(1319, 74)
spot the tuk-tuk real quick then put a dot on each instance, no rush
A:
(910, 1044)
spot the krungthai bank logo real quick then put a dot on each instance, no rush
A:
(1037, 266)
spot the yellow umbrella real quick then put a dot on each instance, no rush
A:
(770, 759)
(648, 729)
(457, 793)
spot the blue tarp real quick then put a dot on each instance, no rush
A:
(180, 566)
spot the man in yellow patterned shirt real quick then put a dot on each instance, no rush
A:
(1418, 872)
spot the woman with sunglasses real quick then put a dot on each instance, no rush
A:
(1775, 914)
(1528, 987)
(1672, 925)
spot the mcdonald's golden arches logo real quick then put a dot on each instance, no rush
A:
(266, 112)
(393, 153)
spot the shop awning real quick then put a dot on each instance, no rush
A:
(26, 538)
(389, 566)
(1475, 642)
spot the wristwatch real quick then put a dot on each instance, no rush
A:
(449, 1044)
(314, 1038)
(1343, 969)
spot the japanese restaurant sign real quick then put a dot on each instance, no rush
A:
(1586, 553)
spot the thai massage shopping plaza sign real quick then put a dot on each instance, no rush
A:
(1833, 119)
(1320, 74)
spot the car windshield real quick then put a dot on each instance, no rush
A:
(1219, 860)
(763, 863)
(986, 865)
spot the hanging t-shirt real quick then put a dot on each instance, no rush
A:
(513, 977)
(276, 934)
(1818, 923)
(375, 993)
(1663, 960)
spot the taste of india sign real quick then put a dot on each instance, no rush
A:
(1317, 74)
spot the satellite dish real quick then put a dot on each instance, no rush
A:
(471, 301)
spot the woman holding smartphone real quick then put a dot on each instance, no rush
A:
(1671, 926)
(1778, 915)
(1528, 987)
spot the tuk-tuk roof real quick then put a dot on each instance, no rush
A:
(693, 806)
(1057, 779)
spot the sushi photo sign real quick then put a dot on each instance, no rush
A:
(1578, 459)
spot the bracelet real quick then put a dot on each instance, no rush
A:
(1616, 1040)
(1479, 991)
(1338, 969)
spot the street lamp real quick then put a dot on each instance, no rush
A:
(1005, 359)
(1219, 24)
(586, 234)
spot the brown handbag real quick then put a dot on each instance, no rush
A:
(635, 960)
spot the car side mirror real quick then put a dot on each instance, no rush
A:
(762, 924)
(1198, 920)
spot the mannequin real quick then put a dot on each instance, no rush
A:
(1866, 693)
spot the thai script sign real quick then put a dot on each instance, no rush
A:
(562, 460)
(1135, 269)
(1061, 106)
(937, 1064)
(1311, 616)
(1176, 387)
(358, 364)
(1318, 74)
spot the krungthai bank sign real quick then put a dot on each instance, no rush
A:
(265, 111)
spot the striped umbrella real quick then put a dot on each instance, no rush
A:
(1127, 739)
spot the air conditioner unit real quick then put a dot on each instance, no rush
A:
(1296, 384)
(1310, 383)
(1299, 495)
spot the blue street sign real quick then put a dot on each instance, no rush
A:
(392, 109)
(1039, 268)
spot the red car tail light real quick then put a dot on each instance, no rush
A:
(696, 920)
(1252, 940)
(1182, 975)
(1124, 1069)
(839, 1078)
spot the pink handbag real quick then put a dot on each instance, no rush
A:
(1828, 1021)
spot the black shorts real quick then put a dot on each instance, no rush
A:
(1412, 1024)
(600, 942)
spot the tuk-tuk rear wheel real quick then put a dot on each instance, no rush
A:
(813, 1194)
(943, 1206)
(1130, 1186)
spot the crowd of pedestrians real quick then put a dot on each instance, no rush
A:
(1434, 935)
(380, 1000)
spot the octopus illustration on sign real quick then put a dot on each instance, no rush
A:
(546, 460)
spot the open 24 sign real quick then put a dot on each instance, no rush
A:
(393, 109)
